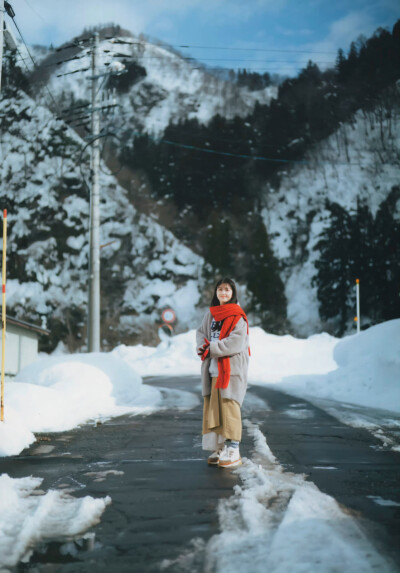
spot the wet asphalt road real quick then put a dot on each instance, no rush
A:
(165, 494)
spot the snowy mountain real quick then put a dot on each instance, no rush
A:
(359, 163)
(160, 86)
(144, 267)
(43, 173)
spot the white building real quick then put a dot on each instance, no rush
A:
(22, 344)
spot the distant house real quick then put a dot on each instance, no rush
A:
(22, 344)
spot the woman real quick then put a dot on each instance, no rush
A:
(223, 345)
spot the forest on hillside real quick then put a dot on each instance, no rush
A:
(191, 166)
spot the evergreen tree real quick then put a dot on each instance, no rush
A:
(386, 249)
(362, 257)
(359, 246)
(218, 244)
(264, 280)
(334, 267)
(340, 65)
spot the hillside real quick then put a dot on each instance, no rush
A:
(357, 166)
(160, 87)
(144, 267)
(293, 191)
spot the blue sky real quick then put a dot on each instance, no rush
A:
(264, 35)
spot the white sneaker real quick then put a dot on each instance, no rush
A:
(229, 458)
(213, 459)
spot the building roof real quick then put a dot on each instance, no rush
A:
(26, 325)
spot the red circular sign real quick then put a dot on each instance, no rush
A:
(168, 315)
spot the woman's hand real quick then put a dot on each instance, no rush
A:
(204, 350)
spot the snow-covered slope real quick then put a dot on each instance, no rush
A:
(359, 162)
(144, 267)
(173, 88)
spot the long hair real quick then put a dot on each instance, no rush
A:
(231, 283)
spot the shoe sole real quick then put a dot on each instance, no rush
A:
(230, 464)
(213, 463)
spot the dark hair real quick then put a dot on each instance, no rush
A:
(231, 283)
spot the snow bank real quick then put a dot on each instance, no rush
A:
(368, 372)
(175, 356)
(27, 518)
(59, 393)
(272, 357)
(362, 369)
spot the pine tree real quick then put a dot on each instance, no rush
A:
(264, 280)
(218, 244)
(334, 276)
(386, 249)
(362, 257)
(341, 65)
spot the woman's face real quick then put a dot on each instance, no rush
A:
(224, 293)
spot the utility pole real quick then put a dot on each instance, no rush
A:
(1, 36)
(94, 238)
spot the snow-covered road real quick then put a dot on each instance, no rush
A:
(170, 510)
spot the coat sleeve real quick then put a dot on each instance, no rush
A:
(201, 332)
(232, 344)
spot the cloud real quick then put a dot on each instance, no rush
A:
(348, 28)
(45, 21)
(296, 32)
(341, 33)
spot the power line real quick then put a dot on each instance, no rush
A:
(191, 59)
(36, 12)
(11, 13)
(253, 157)
(252, 60)
(251, 49)
(233, 48)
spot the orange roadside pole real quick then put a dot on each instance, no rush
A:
(3, 314)
(357, 318)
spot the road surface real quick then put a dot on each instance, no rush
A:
(164, 494)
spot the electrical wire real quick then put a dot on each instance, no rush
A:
(254, 157)
(37, 13)
(246, 156)
(195, 60)
(125, 117)
(251, 49)
(118, 41)
(33, 61)
(83, 149)
(156, 57)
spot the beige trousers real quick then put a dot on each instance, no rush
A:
(221, 419)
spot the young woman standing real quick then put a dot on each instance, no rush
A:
(223, 345)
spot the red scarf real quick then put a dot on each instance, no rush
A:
(231, 314)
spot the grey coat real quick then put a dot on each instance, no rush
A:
(236, 346)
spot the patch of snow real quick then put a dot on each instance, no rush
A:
(29, 516)
(386, 502)
(279, 522)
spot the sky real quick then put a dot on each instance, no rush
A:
(278, 36)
